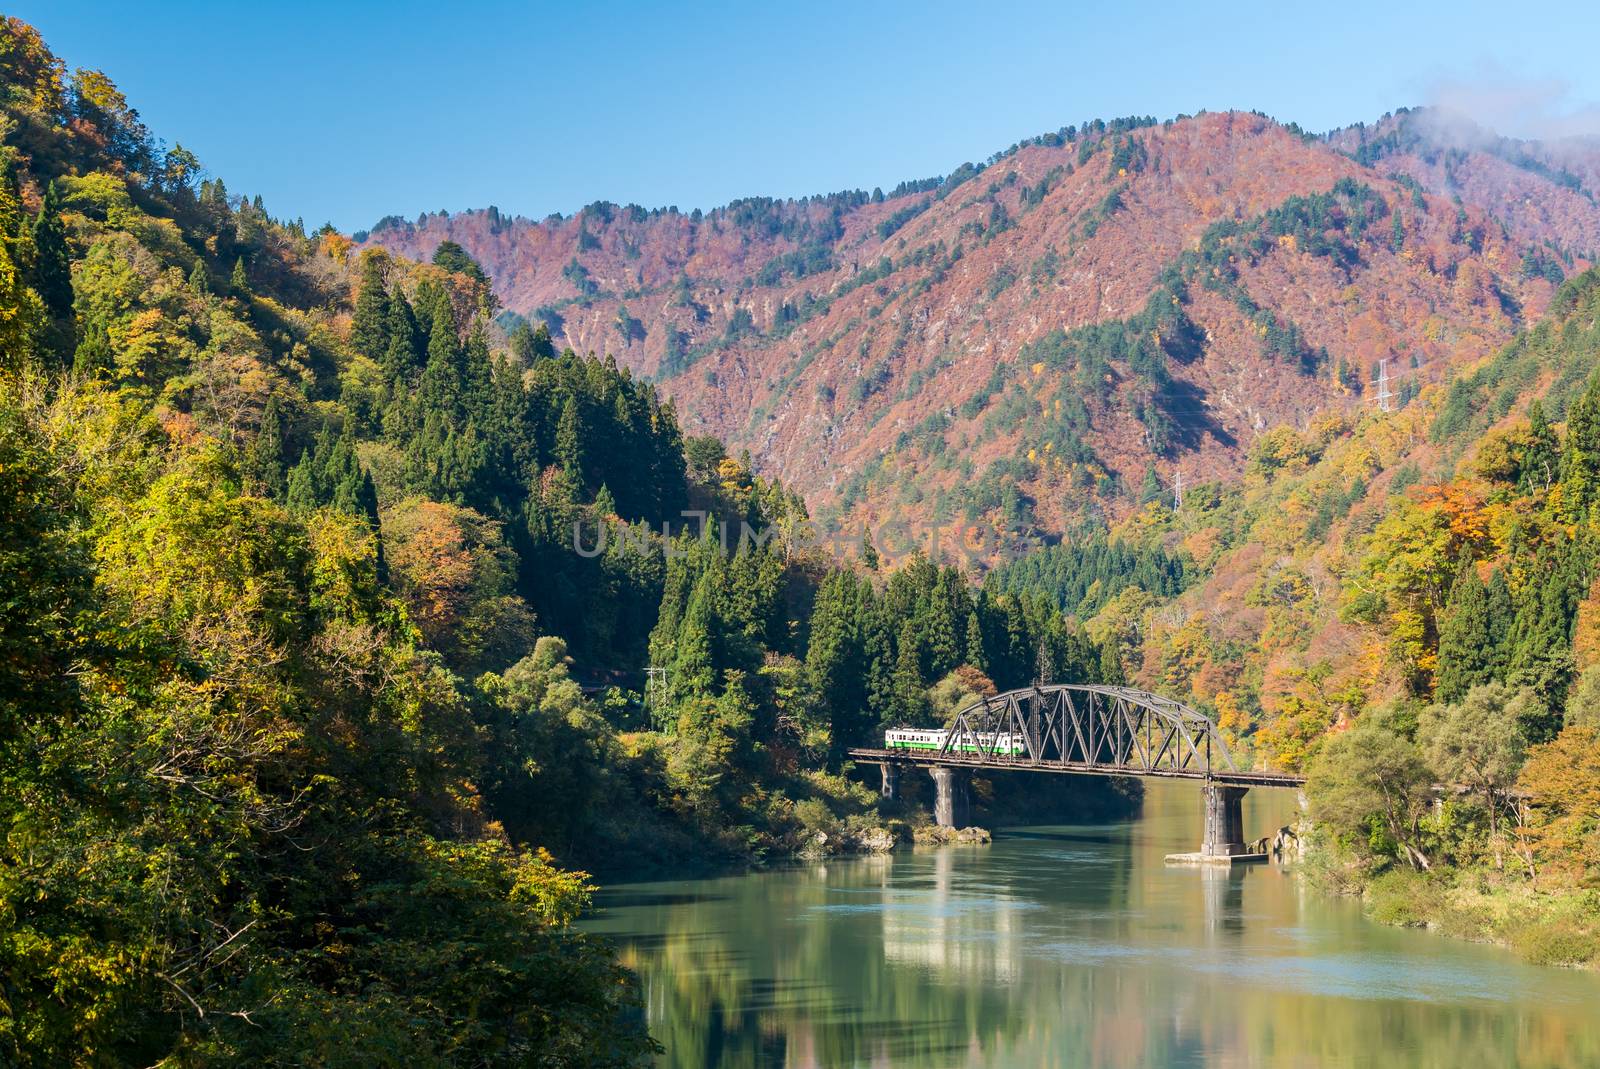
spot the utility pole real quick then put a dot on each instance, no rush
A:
(1177, 491)
(655, 689)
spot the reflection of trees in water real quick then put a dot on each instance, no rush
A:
(1062, 947)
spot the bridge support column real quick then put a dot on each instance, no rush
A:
(891, 781)
(952, 807)
(1224, 835)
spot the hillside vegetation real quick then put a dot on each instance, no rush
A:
(1008, 351)
(327, 613)
(355, 610)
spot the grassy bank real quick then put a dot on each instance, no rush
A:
(1543, 925)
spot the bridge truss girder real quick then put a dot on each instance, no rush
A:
(1090, 727)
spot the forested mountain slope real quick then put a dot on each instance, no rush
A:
(325, 628)
(1015, 346)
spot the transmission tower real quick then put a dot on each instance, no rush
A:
(1384, 402)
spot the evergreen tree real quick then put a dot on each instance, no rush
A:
(1150, 489)
(877, 654)
(1541, 645)
(369, 326)
(240, 283)
(1542, 460)
(521, 343)
(265, 459)
(402, 356)
(1111, 673)
(1580, 455)
(694, 659)
(909, 703)
(543, 347)
(52, 274)
(570, 440)
(976, 656)
(1468, 649)
(941, 641)
(834, 659)
(200, 279)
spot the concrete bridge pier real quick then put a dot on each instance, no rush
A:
(891, 781)
(1224, 834)
(952, 807)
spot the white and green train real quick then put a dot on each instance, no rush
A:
(970, 742)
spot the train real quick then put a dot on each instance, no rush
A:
(971, 742)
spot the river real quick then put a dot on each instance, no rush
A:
(1075, 946)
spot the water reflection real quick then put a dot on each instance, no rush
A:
(1072, 947)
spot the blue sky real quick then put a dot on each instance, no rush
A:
(348, 111)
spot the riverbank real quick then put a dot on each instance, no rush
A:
(1542, 926)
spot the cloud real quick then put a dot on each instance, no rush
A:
(1541, 108)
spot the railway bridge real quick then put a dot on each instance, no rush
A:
(1084, 729)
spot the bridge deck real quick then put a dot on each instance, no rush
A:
(1024, 764)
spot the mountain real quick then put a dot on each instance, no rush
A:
(1010, 348)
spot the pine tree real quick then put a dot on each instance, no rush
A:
(694, 662)
(941, 641)
(52, 274)
(833, 659)
(1467, 648)
(909, 703)
(543, 346)
(604, 504)
(976, 656)
(1541, 646)
(369, 326)
(403, 356)
(1542, 461)
(265, 460)
(240, 283)
(877, 655)
(1111, 673)
(569, 451)
(200, 279)
(1580, 455)
(301, 495)
(1150, 489)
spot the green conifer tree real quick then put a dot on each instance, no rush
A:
(1541, 462)
(265, 459)
(569, 446)
(1580, 455)
(909, 702)
(369, 326)
(1111, 673)
(52, 275)
(694, 662)
(976, 656)
(1467, 648)
(199, 279)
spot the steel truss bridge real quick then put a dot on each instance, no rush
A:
(1085, 729)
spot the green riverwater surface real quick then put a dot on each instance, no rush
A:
(1075, 946)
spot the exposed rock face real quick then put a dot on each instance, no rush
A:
(855, 344)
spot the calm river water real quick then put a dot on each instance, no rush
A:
(1075, 946)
